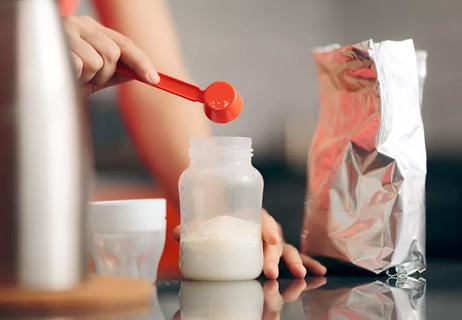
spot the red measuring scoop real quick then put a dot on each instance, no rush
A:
(222, 102)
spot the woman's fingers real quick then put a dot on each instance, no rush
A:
(272, 254)
(96, 51)
(275, 247)
(107, 49)
(77, 64)
(271, 231)
(314, 267)
(133, 56)
(89, 31)
(86, 59)
(293, 261)
(92, 62)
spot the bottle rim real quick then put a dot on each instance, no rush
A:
(226, 146)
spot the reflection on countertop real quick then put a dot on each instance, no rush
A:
(436, 293)
(313, 298)
(221, 300)
(390, 299)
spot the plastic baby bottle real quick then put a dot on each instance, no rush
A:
(221, 201)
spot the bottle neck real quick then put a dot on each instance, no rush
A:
(220, 151)
(220, 160)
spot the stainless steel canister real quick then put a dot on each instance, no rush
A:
(42, 176)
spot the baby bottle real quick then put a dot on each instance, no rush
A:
(221, 201)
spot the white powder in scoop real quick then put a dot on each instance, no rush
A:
(221, 249)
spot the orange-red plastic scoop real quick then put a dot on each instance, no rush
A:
(222, 102)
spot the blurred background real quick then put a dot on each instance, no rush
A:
(263, 47)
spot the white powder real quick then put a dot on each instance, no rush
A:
(221, 249)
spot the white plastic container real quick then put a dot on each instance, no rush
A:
(127, 237)
(221, 201)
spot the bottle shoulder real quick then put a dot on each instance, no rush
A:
(226, 172)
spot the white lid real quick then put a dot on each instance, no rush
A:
(127, 215)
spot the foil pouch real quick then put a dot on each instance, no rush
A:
(374, 300)
(365, 201)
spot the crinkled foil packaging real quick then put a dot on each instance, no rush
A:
(365, 204)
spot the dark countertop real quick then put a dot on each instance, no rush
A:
(436, 294)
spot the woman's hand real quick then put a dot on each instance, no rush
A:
(95, 51)
(275, 248)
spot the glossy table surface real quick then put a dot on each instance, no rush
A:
(435, 294)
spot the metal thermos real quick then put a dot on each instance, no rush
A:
(42, 171)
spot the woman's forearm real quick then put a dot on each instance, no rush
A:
(161, 127)
(159, 123)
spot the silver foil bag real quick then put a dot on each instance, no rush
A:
(367, 163)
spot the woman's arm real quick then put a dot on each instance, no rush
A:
(159, 123)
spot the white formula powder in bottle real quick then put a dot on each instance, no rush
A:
(222, 248)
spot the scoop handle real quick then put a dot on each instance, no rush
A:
(167, 83)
